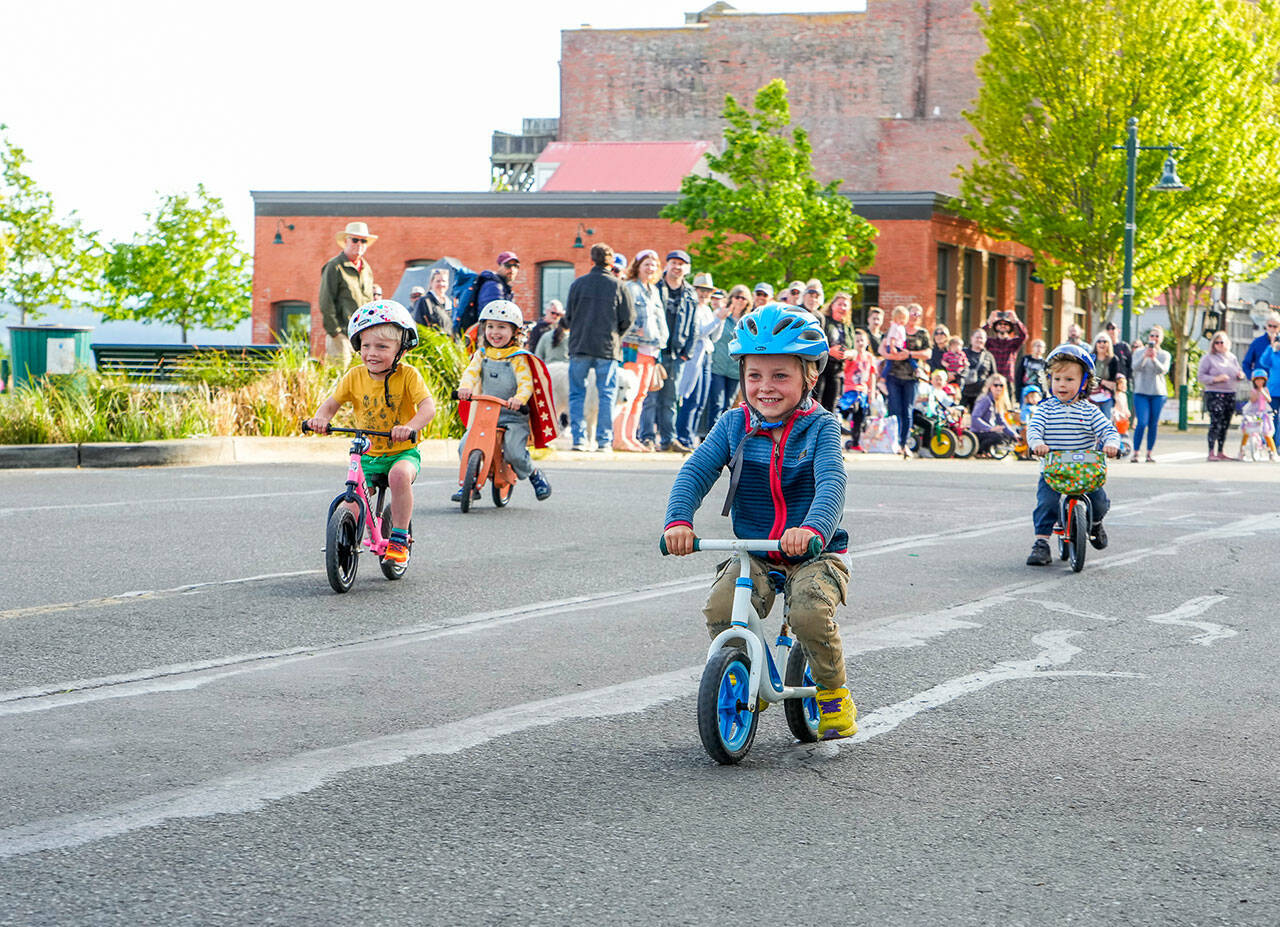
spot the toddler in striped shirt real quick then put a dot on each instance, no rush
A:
(1068, 421)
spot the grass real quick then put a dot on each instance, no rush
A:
(214, 397)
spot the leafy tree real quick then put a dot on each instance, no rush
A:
(769, 219)
(187, 270)
(1059, 82)
(44, 261)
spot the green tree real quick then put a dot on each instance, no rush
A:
(1059, 82)
(187, 270)
(768, 218)
(47, 261)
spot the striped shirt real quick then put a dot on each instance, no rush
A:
(1072, 426)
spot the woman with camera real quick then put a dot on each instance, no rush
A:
(1150, 389)
(1005, 335)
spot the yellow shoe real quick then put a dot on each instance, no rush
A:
(761, 705)
(837, 711)
(396, 552)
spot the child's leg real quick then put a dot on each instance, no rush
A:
(515, 446)
(1101, 504)
(813, 591)
(719, 608)
(400, 481)
(1045, 515)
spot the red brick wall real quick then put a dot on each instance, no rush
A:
(864, 85)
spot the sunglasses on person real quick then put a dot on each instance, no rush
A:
(737, 296)
(359, 241)
(941, 332)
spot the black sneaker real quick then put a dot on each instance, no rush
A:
(1040, 555)
(1098, 536)
(541, 488)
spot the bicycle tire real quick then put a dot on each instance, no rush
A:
(1000, 450)
(966, 445)
(801, 713)
(341, 549)
(942, 443)
(500, 498)
(1079, 534)
(471, 478)
(725, 725)
(390, 569)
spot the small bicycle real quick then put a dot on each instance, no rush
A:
(1075, 511)
(1253, 436)
(734, 679)
(482, 459)
(342, 545)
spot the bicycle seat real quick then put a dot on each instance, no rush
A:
(377, 481)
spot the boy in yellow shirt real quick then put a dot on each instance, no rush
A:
(385, 395)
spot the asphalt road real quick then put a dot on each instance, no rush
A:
(196, 729)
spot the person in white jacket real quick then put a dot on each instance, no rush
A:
(641, 345)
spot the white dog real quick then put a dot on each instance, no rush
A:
(628, 383)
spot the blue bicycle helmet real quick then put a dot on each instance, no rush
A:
(1028, 390)
(1077, 353)
(779, 329)
(1259, 373)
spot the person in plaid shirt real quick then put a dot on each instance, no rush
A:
(1005, 335)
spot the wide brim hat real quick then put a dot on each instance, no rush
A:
(356, 230)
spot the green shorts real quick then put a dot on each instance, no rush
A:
(381, 464)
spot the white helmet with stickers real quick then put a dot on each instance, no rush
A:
(503, 310)
(383, 312)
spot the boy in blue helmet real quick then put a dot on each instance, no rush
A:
(1067, 421)
(787, 482)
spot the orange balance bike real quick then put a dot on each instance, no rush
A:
(482, 461)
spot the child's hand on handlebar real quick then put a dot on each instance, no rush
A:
(318, 425)
(464, 395)
(1111, 450)
(513, 404)
(795, 541)
(1040, 450)
(401, 433)
(679, 540)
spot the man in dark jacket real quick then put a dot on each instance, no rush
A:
(682, 306)
(346, 284)
(494, 284)
(599, 311)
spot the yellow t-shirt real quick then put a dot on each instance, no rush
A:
(368, 402)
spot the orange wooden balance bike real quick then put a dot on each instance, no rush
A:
(482, 461)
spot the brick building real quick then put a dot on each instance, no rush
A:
(925, 253)
(880, 92)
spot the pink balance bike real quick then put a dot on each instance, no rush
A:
(343, 537)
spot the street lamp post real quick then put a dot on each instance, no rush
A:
(1168, 181)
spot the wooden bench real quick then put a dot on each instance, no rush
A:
(162, 363)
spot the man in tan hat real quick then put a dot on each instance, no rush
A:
(346, 284)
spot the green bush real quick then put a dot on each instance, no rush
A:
(213, 396)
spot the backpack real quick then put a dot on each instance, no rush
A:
(466, 297)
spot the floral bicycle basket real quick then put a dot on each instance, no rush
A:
(1075, 471)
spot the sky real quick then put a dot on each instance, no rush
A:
(118, 103)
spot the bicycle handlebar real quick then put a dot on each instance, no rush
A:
(751, 545)
(306, 429)
(523, 410)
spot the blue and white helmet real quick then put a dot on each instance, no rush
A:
(1076, 353)
(383, 312)
(780, 329)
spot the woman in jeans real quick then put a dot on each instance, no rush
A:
(641, 344)
(900, 381)
(1218, 373)
(1107, 369)
(1150, 365)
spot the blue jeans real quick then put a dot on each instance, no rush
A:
(606, 369)
(1146, 409)
(665, 404)
(1106, 406)
(723, 389)
(901, 394)
(691, 406)
(1275, 409)
(1046, 514)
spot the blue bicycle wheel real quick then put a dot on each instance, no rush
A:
(726, 725)
(801, 713)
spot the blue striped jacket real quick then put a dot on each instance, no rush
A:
(797, 482)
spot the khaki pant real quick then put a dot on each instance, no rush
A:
(337, 349)
(813, 591)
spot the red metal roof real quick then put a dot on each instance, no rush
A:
(619, 167)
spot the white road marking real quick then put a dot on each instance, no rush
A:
(1183, 614)
(1055, 653)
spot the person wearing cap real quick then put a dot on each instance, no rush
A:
(681, 304)
(793, 294)
(619, 265)
(1124, 353)
(346, 284)
(496, 284)
(763, 295)
(433, 306)
(695, 379)
(1005, 336)
(599, 312)
(417, 292)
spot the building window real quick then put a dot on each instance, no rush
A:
(868, 296)
(943, 296)
(1021, 283)
(291, 321)
(991, 292)
(1049, 318)
(971, 265)
(554, 278)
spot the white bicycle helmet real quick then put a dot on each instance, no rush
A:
(503, 310)
(382, 312)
